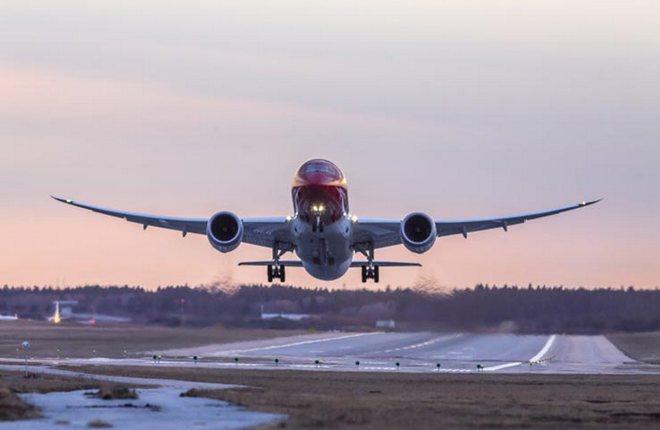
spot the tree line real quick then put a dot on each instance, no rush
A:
(531, 309)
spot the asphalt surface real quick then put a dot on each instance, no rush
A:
(421, 351)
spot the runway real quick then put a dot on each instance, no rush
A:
(421, 351)
(449, 352)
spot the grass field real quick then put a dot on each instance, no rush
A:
(80, 341)
(398, 400)
(640, 346)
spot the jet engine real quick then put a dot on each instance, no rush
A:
(225, 231)
(418, 232)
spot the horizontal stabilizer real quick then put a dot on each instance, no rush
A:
(294, 263)
(386, 264)
(285, 263)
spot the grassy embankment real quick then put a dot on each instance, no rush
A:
(640, 346)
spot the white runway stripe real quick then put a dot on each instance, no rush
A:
(303, 342)
(537, 357)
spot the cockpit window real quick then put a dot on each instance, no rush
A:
(320, 166)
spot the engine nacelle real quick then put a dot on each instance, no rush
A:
(418, 232)
(225, 231)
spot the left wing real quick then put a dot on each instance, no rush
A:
(382, 232)
(256, 231)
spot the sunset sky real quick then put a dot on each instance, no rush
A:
(459, 109)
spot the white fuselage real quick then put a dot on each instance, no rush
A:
(325, 253)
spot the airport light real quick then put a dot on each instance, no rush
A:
(236, 360)
(26, 346)
(438, 366)
(397, 365)
(357, 363)
(277, 361)
(480, 367)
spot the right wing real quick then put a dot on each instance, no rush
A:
(256, 231)
(383, 232)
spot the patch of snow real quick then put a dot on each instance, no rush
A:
(156, 408)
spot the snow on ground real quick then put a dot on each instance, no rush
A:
(156, 408)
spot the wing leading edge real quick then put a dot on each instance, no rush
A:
(257, 231)
(382, 233)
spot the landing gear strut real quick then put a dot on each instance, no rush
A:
(276, 272)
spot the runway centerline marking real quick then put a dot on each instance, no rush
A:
(537, 357)
(419, 345)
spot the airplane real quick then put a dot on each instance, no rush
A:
(322, 232)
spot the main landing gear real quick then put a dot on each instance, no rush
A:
(276, 272)
(369, 270)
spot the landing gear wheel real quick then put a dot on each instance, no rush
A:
(269, 271)
(364, 274)
(282, 274)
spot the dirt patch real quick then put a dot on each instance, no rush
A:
(433, 400)
(99, 424)
(640, 346)
(14, 408)
(114, 392)
(43, 383)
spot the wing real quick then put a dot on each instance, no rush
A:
(257, 231)
(382, 233)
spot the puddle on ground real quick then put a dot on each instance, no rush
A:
(157, 408)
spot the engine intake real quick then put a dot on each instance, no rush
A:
(225, 231)
(418, 232)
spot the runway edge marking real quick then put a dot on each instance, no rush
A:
(537, 357)
(304, 342)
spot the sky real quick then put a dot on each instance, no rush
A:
(459, 109)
